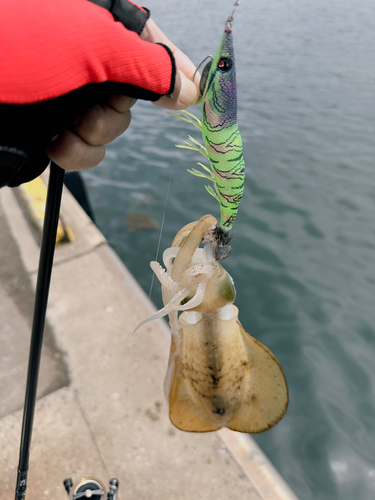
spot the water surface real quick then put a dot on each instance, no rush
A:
(304, 251)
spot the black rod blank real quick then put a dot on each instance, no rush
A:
(51, 219)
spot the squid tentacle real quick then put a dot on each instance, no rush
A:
(164, 278)
(168, 255)
(197, 299)
(199, 269)
(171, 306)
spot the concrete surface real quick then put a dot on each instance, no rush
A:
(112, 418)
(16, 307)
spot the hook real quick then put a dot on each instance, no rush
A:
(199, 65)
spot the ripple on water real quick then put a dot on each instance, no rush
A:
(303, 261)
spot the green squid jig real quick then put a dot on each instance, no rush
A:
(222, 139)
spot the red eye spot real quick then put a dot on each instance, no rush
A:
(224, 64)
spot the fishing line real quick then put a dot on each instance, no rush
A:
(173, 163)
(161, 229)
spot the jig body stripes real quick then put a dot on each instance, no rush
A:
(220, 130)
(222, 139)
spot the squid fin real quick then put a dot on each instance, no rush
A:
(267, 400)
(262, 399)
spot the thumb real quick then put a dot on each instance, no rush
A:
(185, 94)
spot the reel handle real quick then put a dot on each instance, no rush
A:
(113, 488)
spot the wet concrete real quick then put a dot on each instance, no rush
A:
(16, 311)
(112, 419)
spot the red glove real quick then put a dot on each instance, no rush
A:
(60, 57)
(50, 48)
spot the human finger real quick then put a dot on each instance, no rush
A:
(71, 152)
(121, 103)
(101, 125)
(152, 33)
(185, 94)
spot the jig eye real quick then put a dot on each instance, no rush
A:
(224, 64)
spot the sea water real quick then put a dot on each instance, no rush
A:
(304, 250)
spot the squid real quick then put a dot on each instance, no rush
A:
(218, 375)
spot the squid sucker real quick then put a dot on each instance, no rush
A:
(218, 375)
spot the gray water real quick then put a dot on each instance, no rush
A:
(304, 251)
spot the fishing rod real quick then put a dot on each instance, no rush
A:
(85, 487)
(47, 250)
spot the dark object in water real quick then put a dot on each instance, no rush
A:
(73, 181)
(137, 222)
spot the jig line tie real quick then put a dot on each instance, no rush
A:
(229, 21)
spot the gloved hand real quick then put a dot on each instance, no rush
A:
(60, 59)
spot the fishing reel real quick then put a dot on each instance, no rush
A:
(90, 487)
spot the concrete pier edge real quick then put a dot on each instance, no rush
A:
(116, 377)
